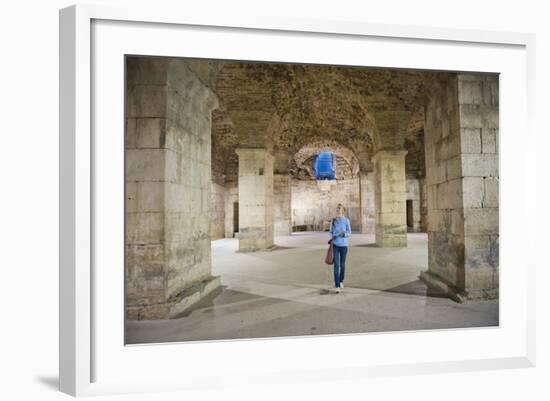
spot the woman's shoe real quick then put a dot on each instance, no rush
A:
(338, 290)
(342, 286)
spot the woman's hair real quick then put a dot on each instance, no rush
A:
(342, 206)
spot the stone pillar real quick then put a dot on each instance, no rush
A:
(462, 185)
(282, 198)
(168, 117)
(389, 198)
(231, 198)
(255, 199)
(414, 195)
(282, 194)
(366, 193)
(423, 205)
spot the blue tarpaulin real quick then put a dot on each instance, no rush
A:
(324, 166)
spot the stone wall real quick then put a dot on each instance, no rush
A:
(462, 185)
(168, 261)
(314, 203)
(217, 211)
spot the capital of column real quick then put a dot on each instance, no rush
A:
(244, 152)
(387, 153)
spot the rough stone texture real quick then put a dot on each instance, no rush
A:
(314, 203)
(168, 182)
(462, 183)
(389, 198)
(366, 188)
(255, 199)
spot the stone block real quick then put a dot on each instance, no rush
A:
(473, 192)
(491, 192)
(436, 174)
(481, 251)
(144, 228)
(439, 220)
(391, 206)
(130, 133)
(176, 169)
(446, 256)
(470, 140)
(144, 262)
(481, 221)
(150, 132)
(431, 192)
(454, 168)
(131, 196)
(482, 165)
(146, 70)
(150, 196)
(489, 140)
(147, 101)
(449, 194)
(478, 280)
(145, 164)
(470, 92)
(471, 116)
(457, 222)
(491, 90)
(389, 220)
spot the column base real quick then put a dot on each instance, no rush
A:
(398, 241)
(176, 305)
(434, 281)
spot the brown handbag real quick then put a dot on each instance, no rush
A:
(329, 259)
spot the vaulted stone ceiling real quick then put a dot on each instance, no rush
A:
(285, 107)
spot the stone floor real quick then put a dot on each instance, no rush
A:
(283, 292)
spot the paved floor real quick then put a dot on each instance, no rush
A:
(284, 293)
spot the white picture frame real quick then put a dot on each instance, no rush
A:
(94, 361)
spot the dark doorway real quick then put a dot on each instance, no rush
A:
(409, 213)
(235, 217)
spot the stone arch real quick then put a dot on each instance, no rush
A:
(315, 147)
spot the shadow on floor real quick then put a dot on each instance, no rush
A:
(417, 287)
(281, 248)
(224, 298)
(51, 382)
(371, 245)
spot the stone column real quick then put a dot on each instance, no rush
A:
(389, 198)
(366, 191)
(255, 199)
(282, 198)
(414, 195)
(423, 205)
(462, 186)
(168, 119)
(282, 194)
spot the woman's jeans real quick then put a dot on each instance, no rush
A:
(340, 253)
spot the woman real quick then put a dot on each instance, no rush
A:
(340, 230)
